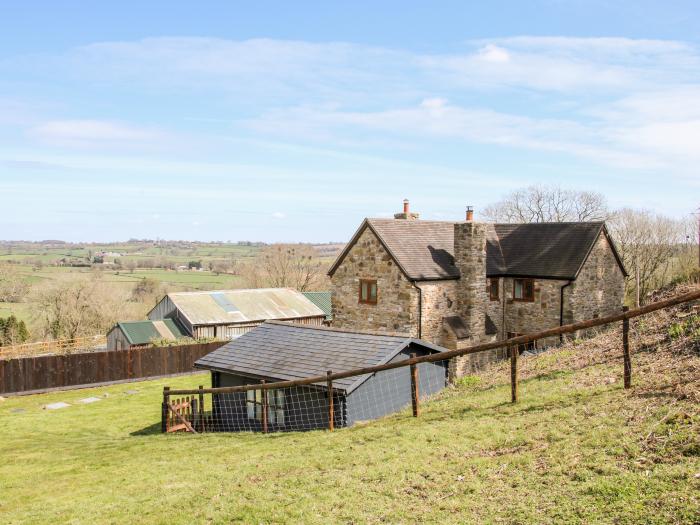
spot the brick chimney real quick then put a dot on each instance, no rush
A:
(406, 214)
(470, 258)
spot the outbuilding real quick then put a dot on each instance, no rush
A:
(128, 335)
(227, 314)
(277, 351)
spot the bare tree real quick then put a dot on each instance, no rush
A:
(285, 266)
(549, 204)
(13, 286)
(79, 308)
(647, 243)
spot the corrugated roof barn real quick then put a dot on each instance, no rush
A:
(227, 314)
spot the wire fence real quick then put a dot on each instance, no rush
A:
(342, 399)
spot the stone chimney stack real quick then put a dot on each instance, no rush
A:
(406, 215)
(470, 258)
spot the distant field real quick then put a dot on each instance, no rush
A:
(201, 280)
(22, 311)
(39, 265)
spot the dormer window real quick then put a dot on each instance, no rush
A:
(368, 291)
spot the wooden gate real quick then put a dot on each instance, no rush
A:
(182, 415)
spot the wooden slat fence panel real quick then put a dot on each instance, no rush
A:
(54, 371)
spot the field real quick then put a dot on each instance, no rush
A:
(40, 265)
(577, 449)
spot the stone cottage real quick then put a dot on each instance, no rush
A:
(458, 284)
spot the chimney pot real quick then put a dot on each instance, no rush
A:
(406, 214)
(470, 213)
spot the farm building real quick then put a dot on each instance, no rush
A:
(227, 314)
(138, 334)
(323, 301)
(278, 351)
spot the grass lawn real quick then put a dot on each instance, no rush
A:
(577, 449)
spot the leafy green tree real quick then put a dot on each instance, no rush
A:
(12, 331)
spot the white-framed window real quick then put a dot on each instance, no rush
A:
(275, 405)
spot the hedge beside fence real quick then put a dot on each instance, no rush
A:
(54, 371)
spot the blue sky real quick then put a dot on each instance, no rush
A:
(292, 122)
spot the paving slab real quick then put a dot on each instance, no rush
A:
(56, 406)
(89, 400)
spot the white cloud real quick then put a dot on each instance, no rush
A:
(493, 53)
(619, 101)
(95, 133)
(278, 215)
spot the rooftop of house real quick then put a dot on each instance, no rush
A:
(243, 306)
(145, 332)
(424, 250)
(283, 351)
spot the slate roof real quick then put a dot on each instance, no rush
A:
(424, 249)
(323, 301)
(550, 249)
(283, 351)
(143, 332)
(242, 306)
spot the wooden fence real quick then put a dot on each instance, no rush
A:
(54, 371)
(512, 344)
(59, 346)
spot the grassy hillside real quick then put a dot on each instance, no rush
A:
(577, 449)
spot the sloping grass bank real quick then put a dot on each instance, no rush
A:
(577, 449)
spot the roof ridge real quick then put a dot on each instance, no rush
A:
(320, 328)
(544, 223)
(232, 290)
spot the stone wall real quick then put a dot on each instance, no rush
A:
(470, 258)
(397, 299)
(439, 299)
(523, 317)
(600, 287)
(494, 309)
(471, 363)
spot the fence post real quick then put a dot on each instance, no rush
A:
(626, 350)
(164, 410)
(201, 408)
(193, 412)
(264, 408)
(414, 387)
(329, 382)
(514, 374)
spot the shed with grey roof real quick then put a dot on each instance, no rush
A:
(227, 314)
(277, 351)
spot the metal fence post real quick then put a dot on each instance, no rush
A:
(329, 382)
(514, 374)
(164, 410)
(626, 350)
(414, 387)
